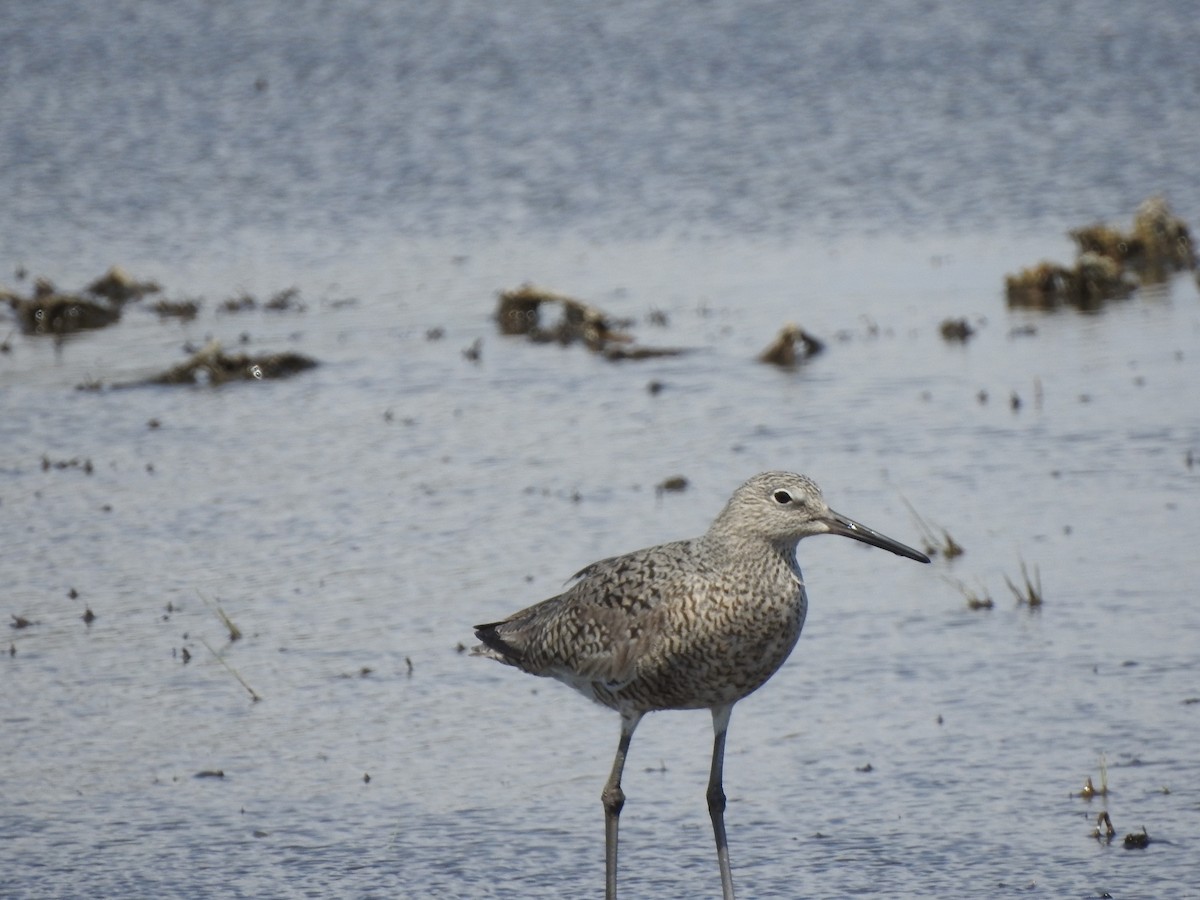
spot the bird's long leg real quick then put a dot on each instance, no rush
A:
(614, 798)
(716, 797)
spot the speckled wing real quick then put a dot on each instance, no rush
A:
(613, 616)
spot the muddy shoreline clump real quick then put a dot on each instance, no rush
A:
(287, 300)
(50, 312)
(47, 310)
(184, 310)
(212, 366)
(1110, 263)
(956, 330)
(1158, 245)
(119, 286)
(1091, 282)
(519, 311)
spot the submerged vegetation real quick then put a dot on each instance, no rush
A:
(976, 599)
(1029, 593)
(933, 542)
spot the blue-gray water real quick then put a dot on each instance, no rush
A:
(736, 166)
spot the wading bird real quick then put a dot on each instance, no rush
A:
(694, 624)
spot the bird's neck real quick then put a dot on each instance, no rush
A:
(741, 546)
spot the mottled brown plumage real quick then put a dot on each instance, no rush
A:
(694, 624)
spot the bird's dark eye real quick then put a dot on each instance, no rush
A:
(782, 498)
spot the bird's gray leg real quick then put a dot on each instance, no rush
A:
(614, 798)
(716, 797)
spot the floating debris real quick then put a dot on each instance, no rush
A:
(658, 317)
(624, 351)
(185, 310)
(957, 330)
(242, 302)
(519, 311)
(73, 463)
(1090, 790)
(673, 485)
(287, 300)
(210, 365)
(475, 352)
(90, 384)
(88, 616)
(793, 345)
(19, 622)
(120, 287)
(1137, 841)
(210, 773)
(1108, 833)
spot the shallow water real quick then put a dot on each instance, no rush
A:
(362, 516)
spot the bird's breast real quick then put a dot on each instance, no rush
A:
(717, 649)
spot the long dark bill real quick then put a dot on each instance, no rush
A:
(847, 527)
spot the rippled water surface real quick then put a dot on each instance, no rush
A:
(711, 175)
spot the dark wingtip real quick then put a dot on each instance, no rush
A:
(490, 638)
